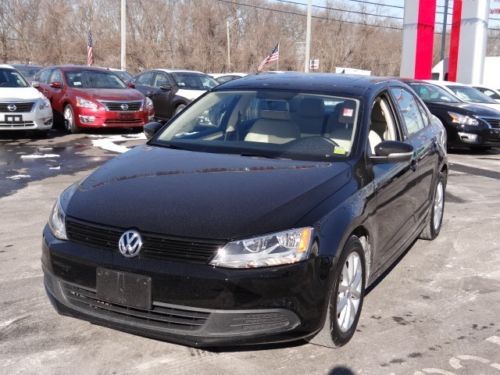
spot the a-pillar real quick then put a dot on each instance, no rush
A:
(418, 39)
(469, 37)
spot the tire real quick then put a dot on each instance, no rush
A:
(69, 120)
(179, 108)
(340, 327)
(434, 219)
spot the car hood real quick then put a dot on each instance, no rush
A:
(19, 93)
(109, 94)
(468, 108)
(190, 94)
(203, 195)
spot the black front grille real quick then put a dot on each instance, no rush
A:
(127, 106)
(494, 122)
(160, 315)
(154, 245)
(19, 107)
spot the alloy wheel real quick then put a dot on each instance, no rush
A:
(349, 292)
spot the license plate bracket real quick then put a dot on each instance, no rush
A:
(126, 116)
(123, 288)
(13, 119)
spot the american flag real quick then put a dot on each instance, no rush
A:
(90, 54)
(274, 56)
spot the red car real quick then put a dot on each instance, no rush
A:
(86, 97)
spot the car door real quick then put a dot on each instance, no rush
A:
(393, 220)
(418, 132)
(56, 88)
(162, 95)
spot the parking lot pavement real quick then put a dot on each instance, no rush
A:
(436, 312)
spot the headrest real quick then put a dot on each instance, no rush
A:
(377, 114)
(312, 107)
(274, 115)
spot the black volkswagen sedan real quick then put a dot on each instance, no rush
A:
(259, 214)
(468, 125)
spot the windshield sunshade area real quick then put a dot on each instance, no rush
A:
(192, 81)
(91, 79)
(277, 124)
(11, 78)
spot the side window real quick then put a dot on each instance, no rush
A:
(161, 79)
(145, 79)
(383, 126)
(409, 109)
(44, 76)
(56, 76)
(424, 113)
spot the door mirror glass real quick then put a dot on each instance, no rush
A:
(151, 128)
(392, 152)
(35, 84)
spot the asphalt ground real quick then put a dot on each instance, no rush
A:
(437, 311)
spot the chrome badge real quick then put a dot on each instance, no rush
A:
(130, 243)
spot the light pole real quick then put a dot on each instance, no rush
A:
(308, 37)
(228, 26)
(123, 50)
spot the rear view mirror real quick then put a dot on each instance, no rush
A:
(392, 152)
(151, 128)
(56, 85)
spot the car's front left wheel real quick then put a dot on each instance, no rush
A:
(69, 120)
(346, 298)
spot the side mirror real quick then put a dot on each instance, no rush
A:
(166, 87)
(392, 152)
(35, 84)
(151, 128)
(131, 85)
(56, 85)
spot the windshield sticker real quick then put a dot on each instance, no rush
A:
(77, 83)
(339, 151)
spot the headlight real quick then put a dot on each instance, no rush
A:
(457, 118)
(57, 221)
(148, 104)
(44, 103)
(84, 103)
(271, 250)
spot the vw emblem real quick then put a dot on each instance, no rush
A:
(130, 243)
(124, 106)
(11, 107)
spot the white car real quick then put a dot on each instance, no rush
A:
(22, 107)
(492, 93)
(467, 93)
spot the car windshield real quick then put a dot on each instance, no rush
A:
(124, 76)
(433, 94)
(11, 78)
(266, 123)
(492, 94)
(194, 81)
(93, 79)
(470, 94)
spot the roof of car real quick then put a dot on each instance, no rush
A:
(353, 85)
(445, 83)
(179, 71)
(6, 66)
(73, 67)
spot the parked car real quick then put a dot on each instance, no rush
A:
(21, 106)
(468, 125)
(492, 93)
(28, 70)
(244, 222)
(172, 90)
(226, 77)
(468, 94)
(86, 97)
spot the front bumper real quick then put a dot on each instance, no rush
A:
(473, 136)
(34, 120)
(192, 304)
(87, 118)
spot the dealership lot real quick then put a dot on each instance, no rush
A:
(435, 312)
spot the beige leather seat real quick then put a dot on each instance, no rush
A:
(273, 127)
(378, 127)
